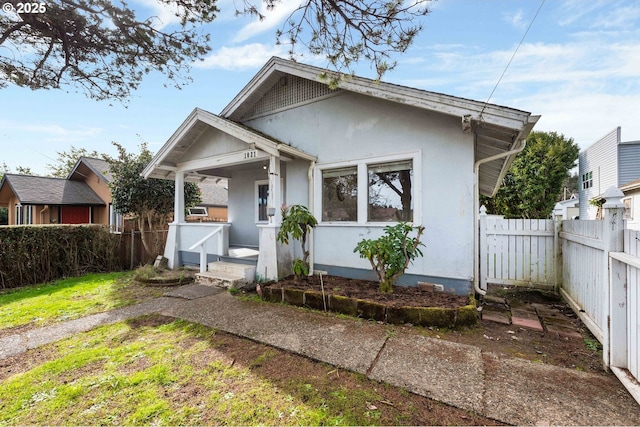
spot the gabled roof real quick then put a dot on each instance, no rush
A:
(37, 190)
(497, 129)
(99, 167)
(165, 162)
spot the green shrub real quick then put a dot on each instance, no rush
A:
(391, 254)
(39, 254)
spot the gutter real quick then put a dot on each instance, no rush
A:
(312, 166)
(476, 208)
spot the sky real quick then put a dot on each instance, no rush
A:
(578, 67)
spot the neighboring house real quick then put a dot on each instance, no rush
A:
(213, 208)
(631, 202)
(361, 157)
(567, 209)
(82, 198)
(608, 162)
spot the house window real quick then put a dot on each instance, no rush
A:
(115, 220)
(263, 201)
(24, 214)
(627, 214)
(198, 211)
(340, 194)
(390, 191)
(587, 180)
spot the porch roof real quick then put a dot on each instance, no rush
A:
(497, 129)
(168, 159)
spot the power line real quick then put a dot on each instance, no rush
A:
(510, 60)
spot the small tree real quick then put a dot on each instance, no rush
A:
(391, 254)
(297, 221)
(150, 201)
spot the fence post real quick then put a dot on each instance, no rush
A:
(557, 247)
(133, 245)
(482, 241)
(615, 323)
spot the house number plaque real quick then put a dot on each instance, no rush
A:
(250, 154)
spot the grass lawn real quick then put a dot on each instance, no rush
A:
(67, 299)
(155, 370)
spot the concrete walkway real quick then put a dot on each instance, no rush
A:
(510, 390)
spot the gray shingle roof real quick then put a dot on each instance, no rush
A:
(37, 190)
(214, 194)
(98, 166)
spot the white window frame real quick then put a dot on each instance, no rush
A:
(193, 211)
(24, 214)
(255, 199)
(627, 213)
(587, 180)
(116, 220)
(363, 188)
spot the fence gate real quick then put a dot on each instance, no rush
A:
(517, 251)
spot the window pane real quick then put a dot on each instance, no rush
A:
(390, 191)
(263, 200)
(340, 194)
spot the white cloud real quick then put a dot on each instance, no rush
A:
(241, 57)
(165, 14)
(53, 132)
(272, 19)
(515, 19)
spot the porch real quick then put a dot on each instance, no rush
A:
(258, 170)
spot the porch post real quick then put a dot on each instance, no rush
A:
(178, 204)
(171, 245)
(274, 259)
(275, 190)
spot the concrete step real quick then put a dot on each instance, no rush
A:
(248, 272)
(221, 279)
(228, 275)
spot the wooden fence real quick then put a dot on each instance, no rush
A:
(517, 251)
(132, 252)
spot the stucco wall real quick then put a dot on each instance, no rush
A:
(350, 127)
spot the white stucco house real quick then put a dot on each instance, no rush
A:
(360, 157)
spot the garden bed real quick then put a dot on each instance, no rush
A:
(361, 298)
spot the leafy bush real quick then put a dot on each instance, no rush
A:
(297, 221)
(391, 254)
(38, 254)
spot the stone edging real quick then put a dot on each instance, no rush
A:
(419, 316)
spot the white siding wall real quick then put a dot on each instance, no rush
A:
(628, 162)
(242, 206)
(601, 158)
(634, 222)
(351, 126)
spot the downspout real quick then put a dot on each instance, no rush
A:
(312, 166)
(476, 208)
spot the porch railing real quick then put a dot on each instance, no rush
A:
(202, 245)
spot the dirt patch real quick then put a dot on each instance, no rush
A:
(402, 296)
(583, 353)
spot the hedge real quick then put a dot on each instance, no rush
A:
(38, 254)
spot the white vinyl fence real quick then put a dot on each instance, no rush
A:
(601, 282)
(517, 251)
(583, 252)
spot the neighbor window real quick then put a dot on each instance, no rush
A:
(390, 191)
(340, 194)
(626, 214)
(198, 211)
(24, 214)
(587, 180)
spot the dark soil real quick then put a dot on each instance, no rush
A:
(584, 354)
(402, 296)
